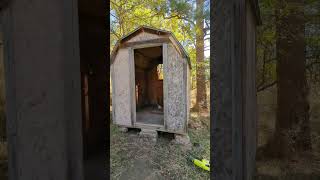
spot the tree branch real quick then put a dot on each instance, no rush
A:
(264, 87)
(206, 29)
(207, 24)
(114, 16)
(114, 33)
(312, 63)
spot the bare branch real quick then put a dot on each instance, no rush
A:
(264, 87)
(114, 16)
(312, 63)
(207, 24)
(206, 29)
(114, 33)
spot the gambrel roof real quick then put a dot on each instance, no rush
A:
(163, 36)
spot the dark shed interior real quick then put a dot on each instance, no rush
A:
(94, 81)
(149, 85)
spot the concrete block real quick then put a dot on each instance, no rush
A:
(182, 140)
(123, 129)
(149, 134)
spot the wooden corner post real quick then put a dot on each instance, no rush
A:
(233, 94)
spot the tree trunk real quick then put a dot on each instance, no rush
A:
(201, 98)
(292, 133)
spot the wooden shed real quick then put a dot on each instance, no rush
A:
(150, 74)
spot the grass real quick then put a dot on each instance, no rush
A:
(164, 160)
(303, 166)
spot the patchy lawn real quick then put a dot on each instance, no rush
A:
(135, 158)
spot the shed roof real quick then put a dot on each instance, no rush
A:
(151, 30)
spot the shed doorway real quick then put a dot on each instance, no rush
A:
(148, 69)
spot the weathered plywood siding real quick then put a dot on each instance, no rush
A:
(233, 91)
(175, 100)
(188, 94)
(250, 119)
(176, 45)
(143, 36)
(221, 91)
(121, 88)
(43, 88)
(2, 88)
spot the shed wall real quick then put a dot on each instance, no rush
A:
(43, 88)
(250, 124)
(2, 89)
(233, 92)
(121, 88)
(227, 164)
(175, 73)
(188, 95)
(176, 45)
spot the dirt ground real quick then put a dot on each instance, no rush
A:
(135, 158)
(3, 161)
(303, 166)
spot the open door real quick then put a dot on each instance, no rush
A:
(175, 97)
(148, 73)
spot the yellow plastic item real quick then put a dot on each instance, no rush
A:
(204, 164)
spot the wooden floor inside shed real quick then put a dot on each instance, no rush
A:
(150, 116)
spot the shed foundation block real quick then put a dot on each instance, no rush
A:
(149, 134)
(182, 140)
(123, 129)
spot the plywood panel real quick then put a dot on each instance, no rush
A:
(233, 91)
(43, 88)
(175, 97)
(250, 96)
(121, 81)
(221, 91)
(188, 94)
(2, 89)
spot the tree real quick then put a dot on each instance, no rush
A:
(266, 44)
(266, 40)
(201, 98)
(292, 131)
(175, 16)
